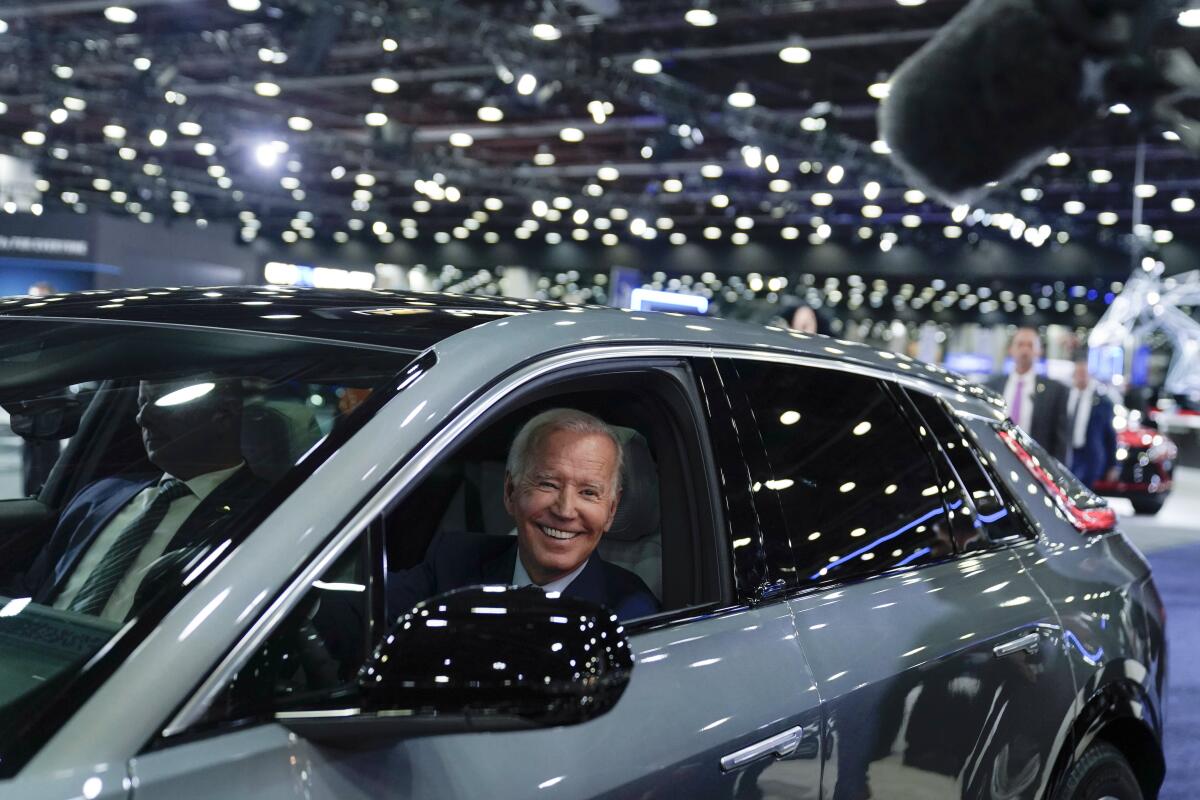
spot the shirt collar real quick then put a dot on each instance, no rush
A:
(204, 485)
(521, 577)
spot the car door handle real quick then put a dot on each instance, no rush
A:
(779, 745)
(1029, 643)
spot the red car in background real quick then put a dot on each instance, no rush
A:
(1146, 461)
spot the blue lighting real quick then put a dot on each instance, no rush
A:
(924, 551)
(881, 540)
(987, 518)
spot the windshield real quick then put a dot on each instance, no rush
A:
(132, 456)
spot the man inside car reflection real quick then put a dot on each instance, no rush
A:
(126, 535)
(562, 485)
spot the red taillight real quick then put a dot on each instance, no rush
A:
(1085, 520)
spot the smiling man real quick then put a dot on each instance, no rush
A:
(562, 485)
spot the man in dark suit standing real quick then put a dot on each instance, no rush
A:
(1038, 405)
(562, 484)
(122, 529)
(1093, 440)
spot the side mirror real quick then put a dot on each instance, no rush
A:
(46, 418)
(485, 658)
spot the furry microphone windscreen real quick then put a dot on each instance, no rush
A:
(985, 100)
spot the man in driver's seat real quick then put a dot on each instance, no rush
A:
(124, 530)
(562, 484)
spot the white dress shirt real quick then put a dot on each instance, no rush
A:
(121, 601)
(1080, 420)
(521, 577)
(1010, 393)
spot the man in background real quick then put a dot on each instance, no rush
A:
(1093, 440)
(1038, 405)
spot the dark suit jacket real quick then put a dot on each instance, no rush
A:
(455, 560)
(1049, 424)
(89, 511)
(1099, 451)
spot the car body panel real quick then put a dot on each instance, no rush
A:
(657, 742)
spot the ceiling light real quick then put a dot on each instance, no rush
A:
(300, 123)
(795, 54)
(822, 199)
(835, 174)
(59, 115)
(672, 185)
(527, 84)
(608, 173)
(245, 5)
(376, 119)
(910, 221)
(3, 26)
(711, 171)
(741, 98)
(489, 114)
(205, 149)
(34, 138)
(385, 85)
(141, 64)
(880, 147)
(120, 15)
(114, 131)
(1182, 205)
(1060, 159)
(712, 233)
(74, 103)
(157, 137)
(543, 159)
(914, 196)
(546, 32)
(1074, 207)
(127, 153)
(1145, 190)
(461, 139)
(700, 17)
(720, 201)
(571, 135)
(1031, 194)
(790, 233)
(872, 211)
(952, 231)
(493, 204)
(101, 184)
(266, 89)
(739, 238)
(364, 179)
(190, 128)
(1189, 18)
(744, 223)
(871, 190)
(647, 65)
(779, 185)
(1100, 176)
(1107, 218)
(1119, 108)
(390, 45)
(619, 214)
(266, 155)
(879, 90)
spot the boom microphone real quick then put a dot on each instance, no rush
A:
(1001, 85)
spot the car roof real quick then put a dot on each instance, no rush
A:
(418, 320)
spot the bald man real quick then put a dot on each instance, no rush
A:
(1038, 405)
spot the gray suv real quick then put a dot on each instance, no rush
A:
(869, 582)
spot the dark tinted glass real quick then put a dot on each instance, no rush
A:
(857, 492)
(984, 516)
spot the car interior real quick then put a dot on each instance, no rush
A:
(663, 528)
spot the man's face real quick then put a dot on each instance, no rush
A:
(1025, 349)
(565, 502)
(1081, 375)
(185, 425)
(804, 319)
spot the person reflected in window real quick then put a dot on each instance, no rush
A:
(124, 530)
(1038, 405)
(561, 487)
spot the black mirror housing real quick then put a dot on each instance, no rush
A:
(503, 654)
(46, 418)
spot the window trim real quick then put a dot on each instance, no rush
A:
(410, 470)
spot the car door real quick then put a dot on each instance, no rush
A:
(720, 702)
(932, 647)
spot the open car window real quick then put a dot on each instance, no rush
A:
(178, 442)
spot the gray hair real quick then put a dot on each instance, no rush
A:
(535, 431)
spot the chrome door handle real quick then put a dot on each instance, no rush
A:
(1029, 643)
(780, 745)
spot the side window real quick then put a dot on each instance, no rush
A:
(314, 654)
(856, 491)
(985, 516)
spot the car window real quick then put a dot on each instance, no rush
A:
(315, 653)
(857, 492)
(178, 441)
(986, 515)
(29, 444)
